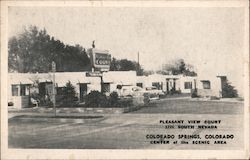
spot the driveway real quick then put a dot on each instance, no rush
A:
(133, 130)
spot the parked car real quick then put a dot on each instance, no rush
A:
(134, 91)
(153, 92)
(131, 91)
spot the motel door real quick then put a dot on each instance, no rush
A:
(106, 87)
(83, 91)
(167, 87)
(42, 89)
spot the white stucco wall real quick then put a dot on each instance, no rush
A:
(184, 79)
(215, 86)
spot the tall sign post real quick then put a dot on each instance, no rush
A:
(100, 62)
(53, 88)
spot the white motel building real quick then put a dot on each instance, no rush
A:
(22, 85)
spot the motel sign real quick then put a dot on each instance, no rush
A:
(100, 59)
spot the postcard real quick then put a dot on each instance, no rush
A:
(125, 79)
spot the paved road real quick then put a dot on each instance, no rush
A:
(126, 131)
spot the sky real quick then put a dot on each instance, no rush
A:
(210, 39)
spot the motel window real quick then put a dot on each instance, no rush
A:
(188, 85)
(206, 84)
(139, 85)
(14, 90)
(23, 90)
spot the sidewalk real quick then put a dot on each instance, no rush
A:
(39, 111)
(189, 98)
(67, 113)
(174, 98)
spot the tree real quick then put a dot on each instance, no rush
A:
(114, 65)
(21, 50)
(125, 65)
(229, 91)
(69, 94)
(178, 67)
(139, 69)
(113, 99)
(34, 50)
(149, 72)
(96, 99)
(13, 58)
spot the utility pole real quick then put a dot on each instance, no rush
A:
(138, 58)
(53, 87)
(93, 46)
(138, 64)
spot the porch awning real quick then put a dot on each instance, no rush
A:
(21, 81)
(108, 80)
(63, 82)
(83, 81)
(42, 80)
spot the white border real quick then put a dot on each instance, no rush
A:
(118, 154)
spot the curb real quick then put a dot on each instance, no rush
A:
(57, 120)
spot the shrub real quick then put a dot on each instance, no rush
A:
(69, 94)
(173, 91)
(228, 91)
(96, 99)
(194, 93)
(125, 102)
(113, 100)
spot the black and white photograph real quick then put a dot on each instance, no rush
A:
(121, 77)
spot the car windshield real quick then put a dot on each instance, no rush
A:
(151, 88)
